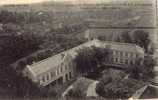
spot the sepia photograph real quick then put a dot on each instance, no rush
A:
(78, 49)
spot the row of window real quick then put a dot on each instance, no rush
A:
(124, 54)
(122, 61)
(48, 76)
(52, 74)
(62, 69)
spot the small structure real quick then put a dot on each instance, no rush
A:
(61, 67)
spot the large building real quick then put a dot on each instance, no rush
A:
(61, 67)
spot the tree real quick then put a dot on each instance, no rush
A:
(126, 37)
(148, 66)
(89, 58)
(30, 60)
(21, 65)
(142, 39)
(100, 54)
(103, 81)
(83, 60)
(144, 70)
(102, 38)
(113, 89)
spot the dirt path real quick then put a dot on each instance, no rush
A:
(91, 89)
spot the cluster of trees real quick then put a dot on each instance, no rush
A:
(117, 87)
(114, 90)
(22, 17)
(89, 58)
(139, 37)
(19, 46)
(143, 69)
(69, 29)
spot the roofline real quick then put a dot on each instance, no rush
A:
(96, 40)
(59, 54)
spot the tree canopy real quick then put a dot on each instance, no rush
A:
(89, 58)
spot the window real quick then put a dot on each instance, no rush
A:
(137, 55)
(132, 55)
(129, 54)
(70, 75)
(126, 61)
(47, 76)
(121, 53)
(69, 66)
(116, 60)
(52, 74)
(44, 79)
(118, 53)
(111, 59)
(126, 54)
(65, 67)
(131, 62)
(61, 69)
(66, 77)
(121, 60)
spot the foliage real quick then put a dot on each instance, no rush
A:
(139, 37)
(19, 46)
(142, 39)
(144, 70)
(89, 58)
(123, 89)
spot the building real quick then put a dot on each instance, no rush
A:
(61, 67)
(58, 69)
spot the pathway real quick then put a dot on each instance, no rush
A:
(91, 89)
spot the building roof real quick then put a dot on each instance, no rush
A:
(54, 61)
(126, 47)
(47, 64)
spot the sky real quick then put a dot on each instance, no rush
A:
(3, 2)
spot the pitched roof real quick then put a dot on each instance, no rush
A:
(126, 47)
(47, 64)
